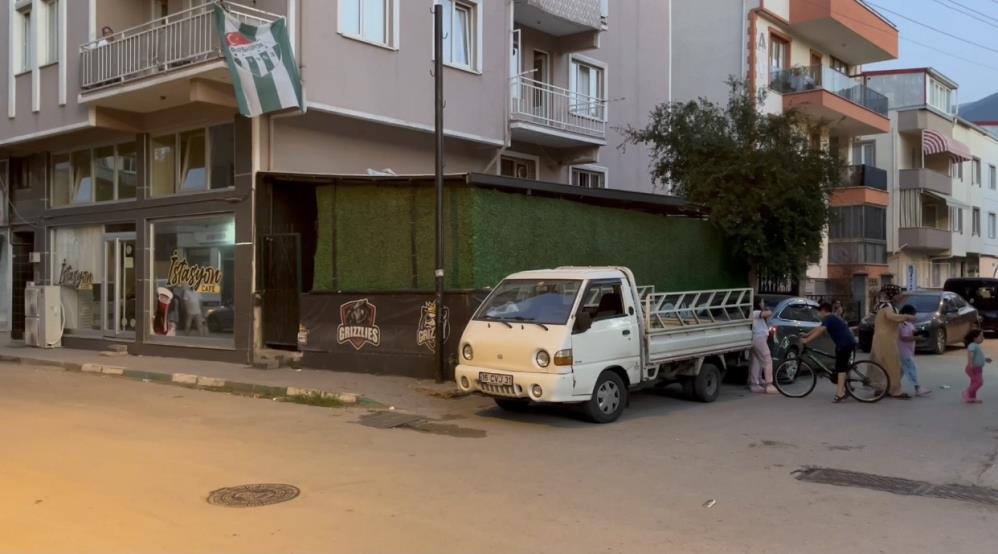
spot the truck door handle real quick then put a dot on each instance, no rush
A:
(627, 332)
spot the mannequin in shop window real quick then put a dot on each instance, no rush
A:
(189, 304)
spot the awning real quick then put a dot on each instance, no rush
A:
(936, 143)
(949, 200)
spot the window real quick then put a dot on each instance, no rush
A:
(520, 168)
(4, 192)
(991, 226)
(839, 65)
(975, 222)
(956, 220)
(86, 176)
(587, 82)
(603, 301)
(992, 177)
(193, 280)
(589, 178)
(193, 161)
(461, 34)
(864, 252)
(368, 20)
(956, 170)
(864, 153)
(800, 312)
(858, 222)
(975, 171)
(25, 54)
(779, 54)
(50, 39)
(940, 96)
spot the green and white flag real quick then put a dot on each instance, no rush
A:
(263, 68)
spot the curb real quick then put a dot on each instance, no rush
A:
(201, 382)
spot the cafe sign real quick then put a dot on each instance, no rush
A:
(199, 278)
(75, 278)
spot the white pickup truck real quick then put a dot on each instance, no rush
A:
(589, 335)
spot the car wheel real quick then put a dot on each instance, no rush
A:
(608, 399)
(939, 341)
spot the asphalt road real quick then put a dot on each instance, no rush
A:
(101, 464)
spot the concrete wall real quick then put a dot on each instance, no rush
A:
(707, 48)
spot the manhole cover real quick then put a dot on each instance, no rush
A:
(897, 485)
(251, 496)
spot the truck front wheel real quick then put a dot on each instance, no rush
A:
(707, 384)
(608, 400)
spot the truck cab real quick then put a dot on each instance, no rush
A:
(584, 335)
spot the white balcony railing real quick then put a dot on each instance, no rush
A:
(557, 108)
(158, 46)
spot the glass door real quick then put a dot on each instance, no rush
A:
(118, 302)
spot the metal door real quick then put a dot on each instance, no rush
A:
(281, 286)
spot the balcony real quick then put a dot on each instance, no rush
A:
(929, 239)
(863, 175)
(561, 17)
(551, 116)
(925, 179)
(916, 121)
(182, 45)
(825, 94)
(847, 29)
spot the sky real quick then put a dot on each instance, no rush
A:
(977, 73)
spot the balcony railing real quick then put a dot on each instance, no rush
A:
(817, 77)
(864, 176)
(158, 46)
(557, 108)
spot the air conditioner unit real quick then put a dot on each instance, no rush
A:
(43, 316)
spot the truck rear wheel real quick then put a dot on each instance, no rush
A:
(707, 384)
(608, 400)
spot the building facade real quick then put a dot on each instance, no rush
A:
(131, 181)
(805, 55)
(942, 180)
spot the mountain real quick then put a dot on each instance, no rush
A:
(985, 109)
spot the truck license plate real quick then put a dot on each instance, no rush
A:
(495, 379)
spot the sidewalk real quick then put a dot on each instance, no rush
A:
(403, 393)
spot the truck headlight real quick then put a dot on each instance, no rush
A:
(542, 358)
(563, 357)
(467, 352)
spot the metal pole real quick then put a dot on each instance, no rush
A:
(438, 78)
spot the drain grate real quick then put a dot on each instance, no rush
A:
(897, 485)
(251, 496)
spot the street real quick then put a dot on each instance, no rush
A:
(102, 464)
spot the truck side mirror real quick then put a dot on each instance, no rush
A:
(583, 321)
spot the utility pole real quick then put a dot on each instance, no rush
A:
(438, 84)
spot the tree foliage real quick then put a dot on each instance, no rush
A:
(761, 176)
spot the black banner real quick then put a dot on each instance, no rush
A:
(390, 333)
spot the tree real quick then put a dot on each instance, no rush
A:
(761, 176)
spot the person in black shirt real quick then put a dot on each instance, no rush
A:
(845, 344)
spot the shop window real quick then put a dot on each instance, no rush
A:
(193, 161)
(193, 266)
(4, 194)
(127, 172)
(78, 269)
(104, 173)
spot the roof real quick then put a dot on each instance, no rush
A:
(569, 273)
(616, 198)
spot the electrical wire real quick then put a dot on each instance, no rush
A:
(930, 27)
(966, 13)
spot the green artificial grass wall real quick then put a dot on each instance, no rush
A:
(381, 238)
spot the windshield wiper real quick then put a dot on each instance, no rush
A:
(522, 319)
(500, 320)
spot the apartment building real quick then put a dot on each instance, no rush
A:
(942, 180)
(805, 55)
(127, 168)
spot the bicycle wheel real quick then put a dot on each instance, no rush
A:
(867, 381)
(795, 379)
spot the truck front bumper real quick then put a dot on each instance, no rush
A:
(552, 387)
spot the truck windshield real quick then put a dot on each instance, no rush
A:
(530, 300)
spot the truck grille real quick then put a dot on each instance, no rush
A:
(497, 390)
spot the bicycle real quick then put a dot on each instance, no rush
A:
(796, 378)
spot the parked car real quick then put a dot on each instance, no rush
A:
(220, 319)
(943, 318)
(792, 316)
(981, 293)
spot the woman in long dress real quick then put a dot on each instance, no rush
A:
(885, 346)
